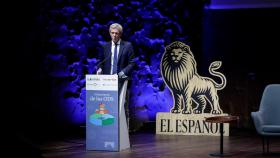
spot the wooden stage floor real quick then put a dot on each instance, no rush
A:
(240, 143)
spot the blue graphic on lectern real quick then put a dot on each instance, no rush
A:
(102, 120)
(101, 117)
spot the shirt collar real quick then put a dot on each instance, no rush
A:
(118, 43)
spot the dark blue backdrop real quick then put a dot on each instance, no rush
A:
(74, 30)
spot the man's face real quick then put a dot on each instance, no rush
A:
(115, 35)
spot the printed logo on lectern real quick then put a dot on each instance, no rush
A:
(191, 92)
(101, 117)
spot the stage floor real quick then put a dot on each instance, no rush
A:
(240, 143)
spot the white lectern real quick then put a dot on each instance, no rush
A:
(106, 125)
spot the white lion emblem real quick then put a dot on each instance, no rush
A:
(178, 68)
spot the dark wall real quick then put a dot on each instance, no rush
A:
(246, 41)
(21, 69)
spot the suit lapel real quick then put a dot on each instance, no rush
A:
(121, 50)
(109, 45)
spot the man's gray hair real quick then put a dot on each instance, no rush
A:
(116, 26)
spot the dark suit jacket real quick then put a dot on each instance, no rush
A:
(125, 58)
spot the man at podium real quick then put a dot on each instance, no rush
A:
(117, 58)
(118, 55)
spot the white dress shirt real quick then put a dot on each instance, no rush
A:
(112, 50)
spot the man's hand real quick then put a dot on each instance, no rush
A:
(99, 71)
(122, 75)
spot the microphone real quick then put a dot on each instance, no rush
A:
(105, 59)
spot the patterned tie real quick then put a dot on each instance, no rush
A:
(115, 62)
